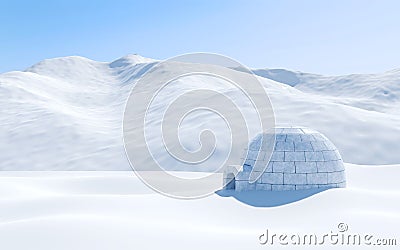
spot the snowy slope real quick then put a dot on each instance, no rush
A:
(379, 92)
(66, 113)
(114, 210)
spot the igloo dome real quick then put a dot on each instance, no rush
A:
(302, 159)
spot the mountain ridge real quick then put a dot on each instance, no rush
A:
(66, 114)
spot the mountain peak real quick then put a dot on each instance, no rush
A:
(130, 59)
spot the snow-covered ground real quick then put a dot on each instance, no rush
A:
(114, 210)
(66, 113)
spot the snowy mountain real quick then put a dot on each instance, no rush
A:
(66, 113)
(378, 92)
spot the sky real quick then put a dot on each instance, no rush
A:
(326, 37)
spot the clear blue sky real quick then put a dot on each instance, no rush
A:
(328, 37)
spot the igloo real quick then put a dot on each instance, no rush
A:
(302, 158)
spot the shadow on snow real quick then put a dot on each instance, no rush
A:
(269, 198)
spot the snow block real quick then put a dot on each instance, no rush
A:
(295, 156)
(272, 178)
(298, 179)
(283, 187)
(336, 177)
(317, 178)
(303, 146)
(306, 167)
(283, 167)
(314, 156)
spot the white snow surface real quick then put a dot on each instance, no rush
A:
(377, 92)
(114, 210)
(66, 113)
